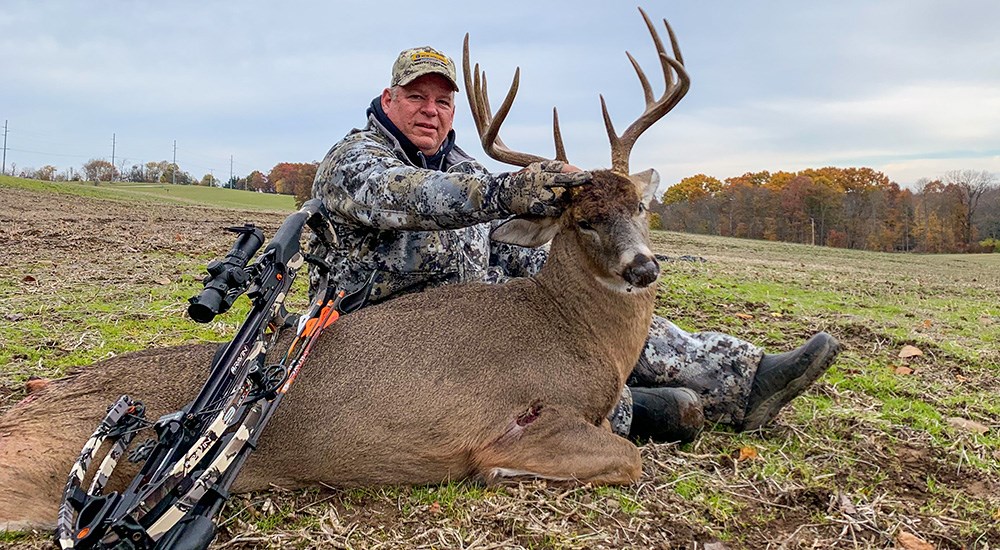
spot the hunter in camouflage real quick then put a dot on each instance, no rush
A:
(412, 208)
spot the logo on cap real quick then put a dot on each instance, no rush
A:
(429, 56)
(416, 62)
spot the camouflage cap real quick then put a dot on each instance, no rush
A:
(416, 62)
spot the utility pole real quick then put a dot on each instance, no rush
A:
(112, 176)
(230, 169)
(4, 169)
(173, 171)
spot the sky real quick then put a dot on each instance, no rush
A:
(910, 88)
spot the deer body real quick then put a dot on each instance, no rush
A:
(472, 380)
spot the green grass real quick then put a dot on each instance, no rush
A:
(213, 197)
(7, 537)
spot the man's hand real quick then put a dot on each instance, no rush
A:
(538, 189)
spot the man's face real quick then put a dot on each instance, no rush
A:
(423, 110)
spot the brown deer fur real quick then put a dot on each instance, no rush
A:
(463, 381)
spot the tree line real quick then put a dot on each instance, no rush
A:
(285, 178)
(842, 207)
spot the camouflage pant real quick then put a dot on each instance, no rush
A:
(718, 367)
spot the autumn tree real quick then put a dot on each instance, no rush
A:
(655, 222)
(258, 182)
(750, 179)
(46, 173)
(173, 174)
(99, 170)
(155, 171)
(294, 178)
(745, 202)
(971, 186)
(988, 218)
(137, 173)
(778, 180)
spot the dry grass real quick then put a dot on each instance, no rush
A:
(867, 454)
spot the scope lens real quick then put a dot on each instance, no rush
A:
(201, 311)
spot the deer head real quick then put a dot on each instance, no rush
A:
(606, 219)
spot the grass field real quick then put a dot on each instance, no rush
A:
(161, 193)
(881, 452)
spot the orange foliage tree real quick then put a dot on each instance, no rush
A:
(294, 178)
(843, 207)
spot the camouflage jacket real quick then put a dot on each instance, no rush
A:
(416, 227)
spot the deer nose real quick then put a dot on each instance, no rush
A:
(641, 271)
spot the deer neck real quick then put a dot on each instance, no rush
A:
(616, 321)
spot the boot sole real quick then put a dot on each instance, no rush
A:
(768, 409)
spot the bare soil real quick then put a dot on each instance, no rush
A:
(825, 477)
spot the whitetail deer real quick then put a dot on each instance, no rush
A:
(474, 380)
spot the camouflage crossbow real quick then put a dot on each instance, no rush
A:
(195, 453)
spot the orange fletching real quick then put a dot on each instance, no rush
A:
(333, 317)
(310, 327)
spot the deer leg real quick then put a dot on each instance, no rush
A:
(557, 444)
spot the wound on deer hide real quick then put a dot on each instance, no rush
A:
(530, 415)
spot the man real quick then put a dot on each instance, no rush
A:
(412, 210)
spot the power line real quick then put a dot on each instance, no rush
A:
(48, 153)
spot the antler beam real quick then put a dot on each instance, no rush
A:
(621, 146)
(488, 124)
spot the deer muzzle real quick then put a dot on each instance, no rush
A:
(641, 271)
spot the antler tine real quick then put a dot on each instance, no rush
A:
(488, 124)
(467, 77)
(621, 146)
(557, 136)
(492, 134)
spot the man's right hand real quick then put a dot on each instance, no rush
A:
(538, 189)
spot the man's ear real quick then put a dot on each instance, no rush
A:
(528, 231)
(649, 181)
(386, 98)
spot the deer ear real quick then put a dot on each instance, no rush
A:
(528, 231)
(647, 181)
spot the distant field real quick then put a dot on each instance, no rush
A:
(880, 449)
(214, 197)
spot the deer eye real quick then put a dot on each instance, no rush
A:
(584, 225)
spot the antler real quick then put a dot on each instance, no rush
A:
(621, 146)
(488, 124)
